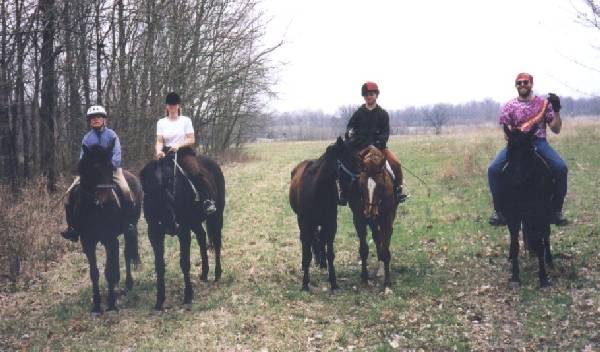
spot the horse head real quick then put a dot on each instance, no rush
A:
(520, 155)
(373, 180)
(96, 173)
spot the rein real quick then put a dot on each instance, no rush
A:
(341, 166)
(176, 167)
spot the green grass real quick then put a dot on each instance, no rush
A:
(449, 269)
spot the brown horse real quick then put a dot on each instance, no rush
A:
(313, 197)
(378, 207)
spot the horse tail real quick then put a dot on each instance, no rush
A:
(132, 248)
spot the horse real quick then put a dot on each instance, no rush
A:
(527, 202)
(101, 219)
(313, 197)
(185, 203)
(378, 207)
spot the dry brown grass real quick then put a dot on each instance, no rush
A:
(29, 233)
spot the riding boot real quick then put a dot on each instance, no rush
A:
(128, 214)
(70, 233)
(341, 200)
(398, 195)
(170, 223)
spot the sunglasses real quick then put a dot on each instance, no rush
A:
(522, 83)
(371, 93)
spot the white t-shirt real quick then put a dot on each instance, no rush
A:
(174, 131)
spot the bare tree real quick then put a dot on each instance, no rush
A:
(437, 116)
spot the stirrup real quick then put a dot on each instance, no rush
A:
(209, 206)
(401, 198)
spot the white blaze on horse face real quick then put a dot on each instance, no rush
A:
(371, 187)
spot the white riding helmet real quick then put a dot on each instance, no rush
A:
(96, 110)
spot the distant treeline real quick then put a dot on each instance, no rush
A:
(315, 125)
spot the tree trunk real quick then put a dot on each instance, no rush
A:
(99, 45)
(48, 105)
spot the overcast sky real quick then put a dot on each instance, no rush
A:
(424, 52)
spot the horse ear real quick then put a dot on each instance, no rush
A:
(339, 142)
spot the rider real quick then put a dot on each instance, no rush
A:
(103, 136)
(515, 113)
(175, 131)
(370, 124)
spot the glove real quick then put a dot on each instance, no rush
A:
(555, 101)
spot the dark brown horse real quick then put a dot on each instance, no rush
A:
(100, 219)
(313, 197)
(378, 207)
(166, 196)
(527, 202)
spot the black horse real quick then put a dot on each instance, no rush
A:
(166, 196)
(527, 202)
(101, 219)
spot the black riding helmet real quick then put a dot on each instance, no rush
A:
(173, 99)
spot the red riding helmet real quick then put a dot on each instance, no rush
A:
(369, 87)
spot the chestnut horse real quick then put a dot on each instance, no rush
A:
(378, 208)
(313, 197)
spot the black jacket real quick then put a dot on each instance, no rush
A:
(370, 127)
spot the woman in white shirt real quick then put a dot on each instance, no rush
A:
(176, 131)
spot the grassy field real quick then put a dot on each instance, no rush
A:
(449, 269)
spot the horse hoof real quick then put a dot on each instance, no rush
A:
(157, 311)
(187, 307)
(305, 288)
(545, 283)
(513, 285)
(387, 291)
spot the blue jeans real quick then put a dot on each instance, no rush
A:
(557, 167)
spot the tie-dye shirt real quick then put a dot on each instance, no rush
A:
(516, 112)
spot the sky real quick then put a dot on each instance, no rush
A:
(427, 52)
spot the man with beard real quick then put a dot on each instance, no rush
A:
(523, 112)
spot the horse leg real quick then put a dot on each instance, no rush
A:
(513, 228)
(363, 249)
(201, 239)
(318, 250)
(306, 238)
(384, 248)
(185, 240)
(89, 248)
(376, 233)
(111, 271)
(157, 240)
(132, 256)
(535, 230)
(214, 225)
(327, 235)
(547, 252)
